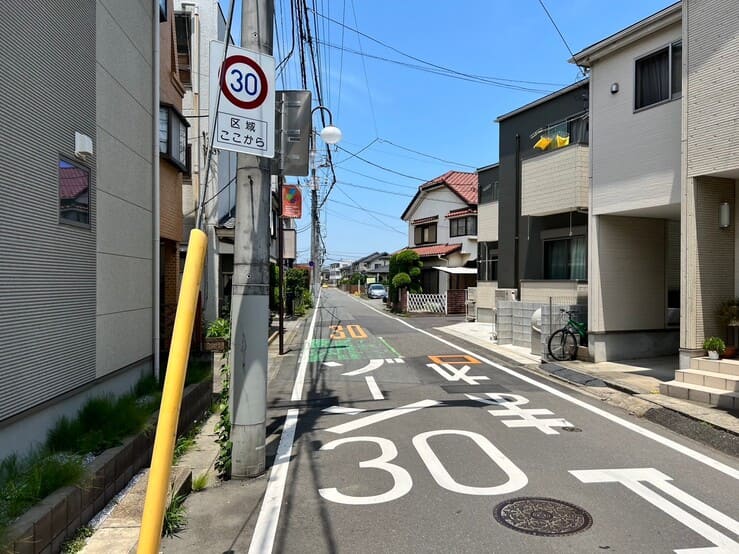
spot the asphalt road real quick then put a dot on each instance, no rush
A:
(399, 438)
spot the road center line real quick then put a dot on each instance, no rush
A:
(669, 443)
(264, 532)
(374, 389)
(304, 355)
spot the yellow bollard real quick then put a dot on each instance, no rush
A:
(169, 412)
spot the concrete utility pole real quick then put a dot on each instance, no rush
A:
(315, 232)
(250, 285)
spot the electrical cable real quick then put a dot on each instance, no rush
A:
(572, 54)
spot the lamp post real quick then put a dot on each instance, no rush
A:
(330, 135)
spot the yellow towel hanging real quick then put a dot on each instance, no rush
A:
(543, 143)
(563, 141)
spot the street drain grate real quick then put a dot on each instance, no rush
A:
(544, 517)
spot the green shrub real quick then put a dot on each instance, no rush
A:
(220, 328)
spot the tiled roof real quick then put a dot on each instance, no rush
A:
(436, 250)
(461, 212)
(463, 183)
(425, 220)
(73, 181)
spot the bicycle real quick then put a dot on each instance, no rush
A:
(563, 342)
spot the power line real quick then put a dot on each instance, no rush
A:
(385, 141)
(378, 166)
(549, 15)
(366, 80)
(425, 62)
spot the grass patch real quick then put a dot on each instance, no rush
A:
(78, 541)
(200, 482)
(175, 517)
(26, 481)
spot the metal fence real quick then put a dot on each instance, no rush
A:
(428, 303)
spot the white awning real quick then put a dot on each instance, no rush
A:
(458, 270)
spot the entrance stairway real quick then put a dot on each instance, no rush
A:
(712, 382)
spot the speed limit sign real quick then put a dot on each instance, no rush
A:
(242, 92)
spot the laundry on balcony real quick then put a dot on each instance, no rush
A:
(562, 141)
(543, 143)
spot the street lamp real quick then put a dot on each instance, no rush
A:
(330, 135)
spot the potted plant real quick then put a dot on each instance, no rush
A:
(714, 346)
(728, 315)
(217, 335)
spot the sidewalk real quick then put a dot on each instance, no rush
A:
(616, 381)
(118, 524)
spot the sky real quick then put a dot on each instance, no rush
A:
(403, 126)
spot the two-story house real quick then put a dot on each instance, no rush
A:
(635, 194)
(374, 267)
(442, 229)
(79, 249)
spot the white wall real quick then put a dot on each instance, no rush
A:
(437, 202)
(487, 222)
(555, 182)
(635, 155)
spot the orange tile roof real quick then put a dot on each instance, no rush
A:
(436, 250)
(461, 182)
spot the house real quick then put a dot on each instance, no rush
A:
(375, 267)
(77, 303)
(198, 22)
(335, 268)
(488, 214)
(634, 261)
(174, 162)
(442, 229)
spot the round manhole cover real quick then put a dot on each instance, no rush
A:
(542, 516)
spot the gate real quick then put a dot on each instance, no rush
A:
(428, 303)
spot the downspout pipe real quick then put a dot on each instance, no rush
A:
(155, 201)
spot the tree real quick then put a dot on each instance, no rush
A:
(404, 272)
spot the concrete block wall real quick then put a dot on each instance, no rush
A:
(514, 322)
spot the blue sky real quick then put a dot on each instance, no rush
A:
(387, 110)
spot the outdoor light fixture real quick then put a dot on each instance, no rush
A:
(614, 88)
(724, 215)
(329, 134)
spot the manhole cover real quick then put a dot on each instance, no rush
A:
(542, 516)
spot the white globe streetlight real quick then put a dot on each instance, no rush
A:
(331, 134)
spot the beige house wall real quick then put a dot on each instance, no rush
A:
(487, 222)
(627, 274)
(635, 155)
(555, 182)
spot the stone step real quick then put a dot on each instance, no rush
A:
(719, 366)
(712, 379)
(699, 393)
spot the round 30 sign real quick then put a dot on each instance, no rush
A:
(243, 82)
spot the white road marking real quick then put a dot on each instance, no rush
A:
(399, 360)
(264, 533)
(381, 416)
(332, 364)
(389, 361)
(371, 366)
(634, 479)
(452, 373)
(510, 407)
(374, 389)
(516, 478)
(304, 355)
(664, 441)
(342, 410)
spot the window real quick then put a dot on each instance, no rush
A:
(425, 234)
(566, 258)
(183, 29)
(463, 226)
(74, 193)
(487, 261)
(162, 10)
(488, 192)
(173, 137)
(658, 76)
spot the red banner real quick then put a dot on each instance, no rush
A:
(292, 202)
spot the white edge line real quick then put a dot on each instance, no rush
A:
(669, 443)
(374, 389)
(304, 355)
(264, 532)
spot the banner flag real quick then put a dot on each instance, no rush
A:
(292, 202)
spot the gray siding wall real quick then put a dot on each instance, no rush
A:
(123, 81)
(555, 182)
(712, 91)
(47, 274)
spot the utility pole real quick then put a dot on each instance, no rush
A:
(250, 285)
(315, 237)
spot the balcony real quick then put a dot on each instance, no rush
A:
(555, 181)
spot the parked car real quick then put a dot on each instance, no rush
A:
(376, 290)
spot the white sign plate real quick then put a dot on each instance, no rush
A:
(245, 83)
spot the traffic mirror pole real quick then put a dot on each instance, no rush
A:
(250, 285)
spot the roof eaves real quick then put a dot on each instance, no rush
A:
(543, 100)
(647, 26)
